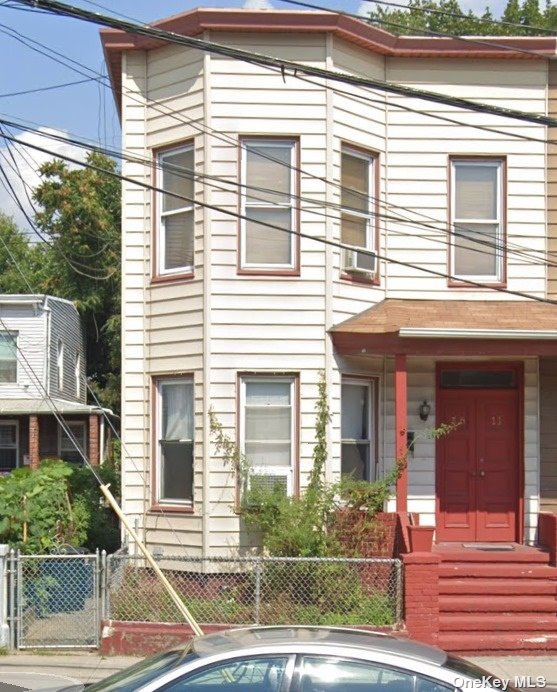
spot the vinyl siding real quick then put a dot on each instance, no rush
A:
(30, 325)
(415, 139)
(222, 323)
(65, 325)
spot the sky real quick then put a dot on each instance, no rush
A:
(86, 111)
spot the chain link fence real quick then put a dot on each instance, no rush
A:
(257, 590)
(55, 600)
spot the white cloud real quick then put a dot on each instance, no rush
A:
(21, 163)
(257, 5)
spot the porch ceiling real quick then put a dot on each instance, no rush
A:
(450, 327)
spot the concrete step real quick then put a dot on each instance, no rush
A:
(530, 570)
(508, 603)
(498, 642)
(495, 586)
(492, 622)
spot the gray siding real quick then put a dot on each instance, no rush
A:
(65, 326)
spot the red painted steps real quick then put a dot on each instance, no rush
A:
(497, 602)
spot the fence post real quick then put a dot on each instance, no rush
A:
(12, 598)
(257, 589)
(4, 626)
(399, 593)
(102, 585)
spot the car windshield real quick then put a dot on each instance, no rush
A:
(471, 670)
(143, 672)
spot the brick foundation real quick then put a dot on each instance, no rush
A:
(421, 596)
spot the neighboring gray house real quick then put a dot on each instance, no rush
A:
(42, 380)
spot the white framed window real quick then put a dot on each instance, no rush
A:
(77, 374)
(269, 174)
(357, 229)
(175, 441)
(175, 222)
(477, 219)
(8, 357)
(72, 441)
(9, 445)
(267, 431)
(357, 429)
(60, 364)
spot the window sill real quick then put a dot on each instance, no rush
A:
(171, 509)
(462, 283)
(172, 278)
(254, 271)
(359, 279)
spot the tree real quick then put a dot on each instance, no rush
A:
(21, 262)
(447, 17)
(79, 215)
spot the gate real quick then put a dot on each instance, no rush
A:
(56, 601)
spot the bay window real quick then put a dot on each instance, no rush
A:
(477, 219)
(175, 222)
(267, 430)
(357, 429)
(357, 227)
(175, 439)
(268, 204)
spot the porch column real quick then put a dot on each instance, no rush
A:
(94, 440)
(401, 424)
(34, 446)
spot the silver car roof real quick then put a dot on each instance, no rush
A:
(243, 638)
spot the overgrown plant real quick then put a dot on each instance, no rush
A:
(307, 525)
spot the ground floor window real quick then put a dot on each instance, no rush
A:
(72, 442)
(268, 429)
(175, 440)
(8, 445)
(357, 416)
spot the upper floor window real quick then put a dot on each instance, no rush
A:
(267, 422)
(72, 442)
(77, 374)
(174, 430)
(175, 223)
(268, 204)
(357, 227)
(357, 429)
(60, 364)
(8, 357)
(477, 219)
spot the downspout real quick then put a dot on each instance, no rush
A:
(47, 359)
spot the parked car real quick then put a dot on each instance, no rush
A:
(298, 659)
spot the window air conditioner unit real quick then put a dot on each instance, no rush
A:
(356, 262)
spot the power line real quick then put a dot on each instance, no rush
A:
(52, 87)
(423, 30)
(60, 8)
(300, 234)
(217, 183)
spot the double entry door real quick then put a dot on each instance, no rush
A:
(477, 466)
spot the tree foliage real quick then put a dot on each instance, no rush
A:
(447, 17)
(79, 214)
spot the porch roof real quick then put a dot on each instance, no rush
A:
(450, 327)
(18, 407)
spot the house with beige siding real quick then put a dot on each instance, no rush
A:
(297, 225)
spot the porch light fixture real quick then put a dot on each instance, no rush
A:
(424, 410)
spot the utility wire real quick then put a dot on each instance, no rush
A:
(424, 31)
(323, 241)
(63, 9)
(52, 87)
(243, 189)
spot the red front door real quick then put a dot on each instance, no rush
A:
(477, 466)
